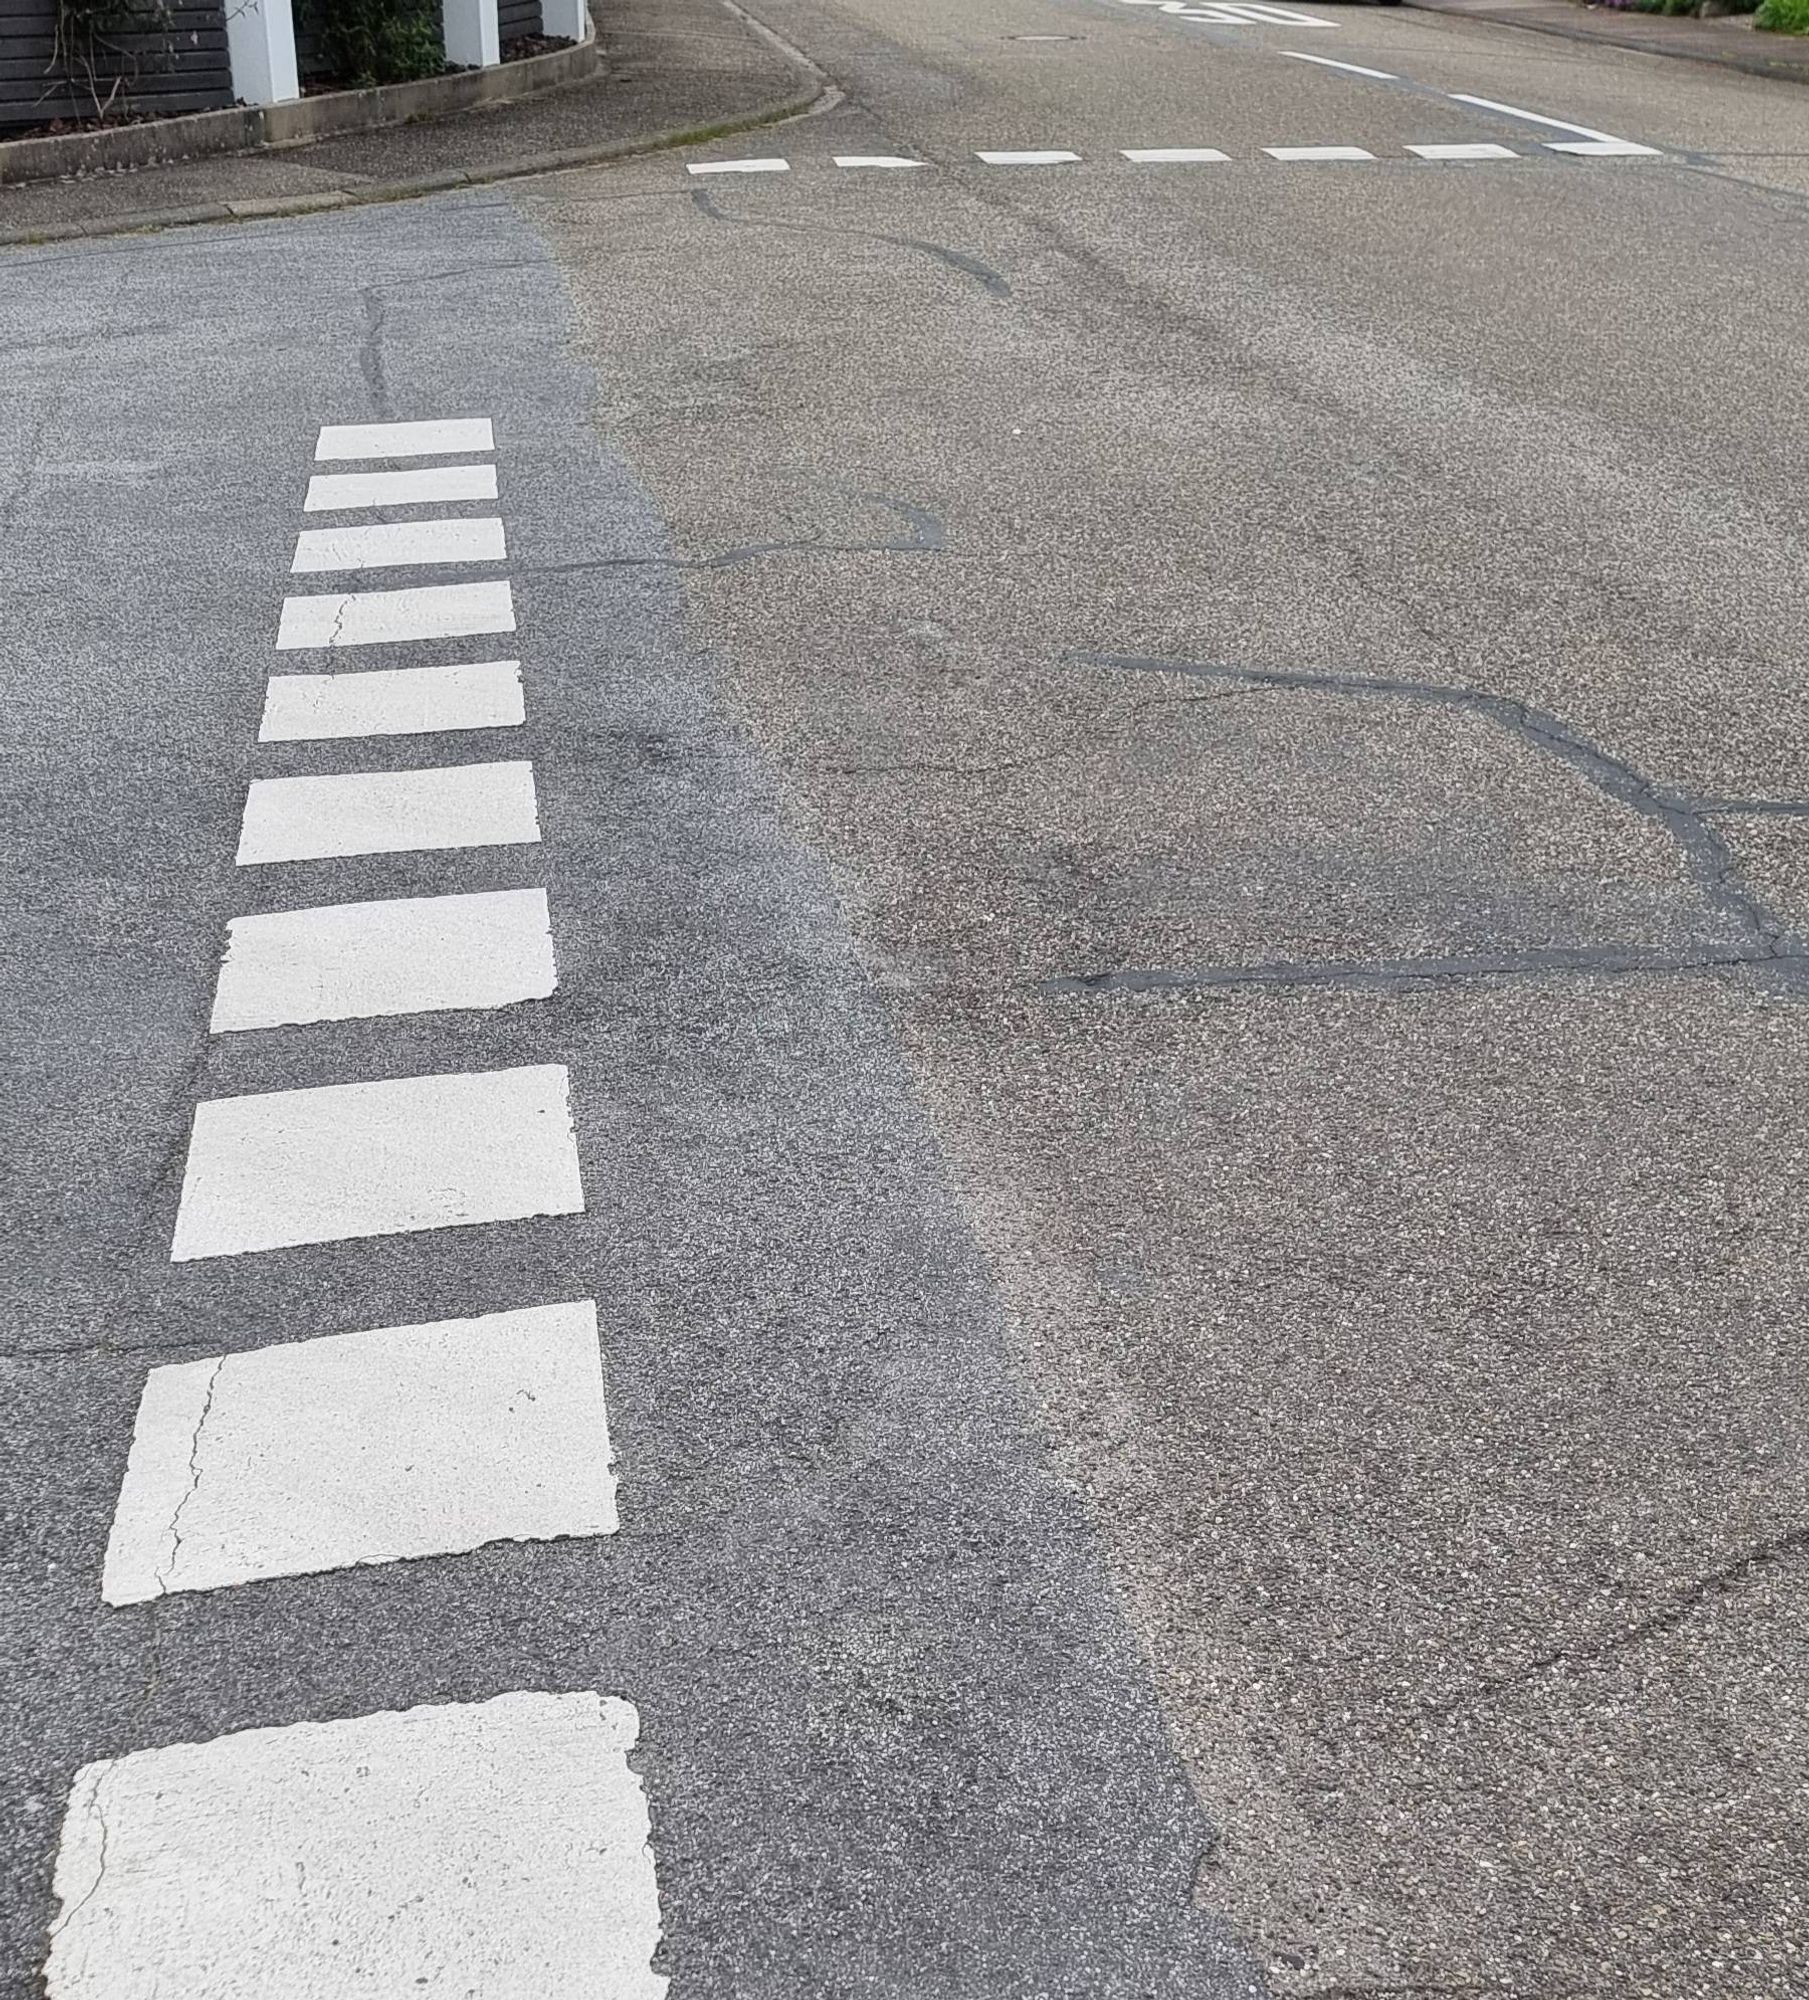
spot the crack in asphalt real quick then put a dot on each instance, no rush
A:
(370, 348)
(928, 537)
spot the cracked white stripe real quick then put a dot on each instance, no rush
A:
(394, 544)
(384, 617)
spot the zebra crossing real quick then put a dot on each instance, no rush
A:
(502, 1844)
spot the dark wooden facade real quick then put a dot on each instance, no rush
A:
(164, 62)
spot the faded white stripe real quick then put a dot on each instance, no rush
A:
(1157, 156)
(1480, 149)
(376, 1159)
(388, 812)
(408, 955)
(392, 701)
(739, 167)
(414, 440)
(1317, 153)
(392, 544)
(875, 160)
(332, 492)
(364, 1448)
(382, 617)
(1027, 159)
(499, 1848)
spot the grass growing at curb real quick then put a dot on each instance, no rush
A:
(1785, 17)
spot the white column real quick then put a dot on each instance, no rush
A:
(570, 18)
(473, 39)
(260, 45)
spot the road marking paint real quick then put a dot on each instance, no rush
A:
(739, 167)
(875, 160)
(1477, 150)
(500, 1848)
(443, 435)
(382, 617)
(1317, 153)
(392, 701)
(1027, 159)
(407, 955)
(376, 1159)
(1328, 62)
(388, 812)
(1151, 156)
(362, 1448)
(1598, 142)
(332, 492)
(390, 544)
(1249, 14)
(1601, 149)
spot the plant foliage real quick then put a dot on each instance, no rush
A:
(366, 42)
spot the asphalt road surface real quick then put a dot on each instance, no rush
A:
(1107, 874)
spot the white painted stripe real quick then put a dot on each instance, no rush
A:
(1474, 150)
(388, 812)
(1027, 159)
(331, 492)
(382, 617)
(364, 1448)
(739, 167)
(418, 440)
(1155, 156)
(875, 160)
(1601, 149)
(376, 1159)
(1317, 153)
(1553, 124)
(409, 955)
(392, 701)
(498, 1848)
(389, 544)
(1330, 62)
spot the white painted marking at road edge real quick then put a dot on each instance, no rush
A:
(442, 435)
(393, 701)
(875, 160)
(362, 1448)
(1473, 150)
(377, 1159)
(391, 544)
(499, 1848)
(739, 167)
(1027, 159)
(382, 617)
(1317, 153)
(388, 812)
(408, 955)
(335, 492)
(1601, 149)
(1328, 62)
(1155, 156)
(1596, 141)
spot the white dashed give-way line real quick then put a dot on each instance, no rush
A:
(499, 1847)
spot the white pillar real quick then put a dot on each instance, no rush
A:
(473, 39)
(570, 18)
(260, 46)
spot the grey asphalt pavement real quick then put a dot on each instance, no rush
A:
(1176, 830)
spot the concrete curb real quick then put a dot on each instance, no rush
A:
(250, 128)
(1757, 64)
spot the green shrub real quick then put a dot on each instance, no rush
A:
(1787, 17)
(365, 42)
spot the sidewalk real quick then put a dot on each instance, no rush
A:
(1732, 41)
(673, 69)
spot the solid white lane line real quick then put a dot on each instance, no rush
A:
(362, 1448)
(1473, 150)
(1027, 159)
(382, 617)
(392, 701)
(500, 1848)
(388, 545)
(1154, 156)
(1588, 133)
(442, 435)
(739, 167)
(376, 1159)
(1328, 62)
(388, 812)
(1317, 153)
(874, 160)
(331, 492)
(408, 955)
